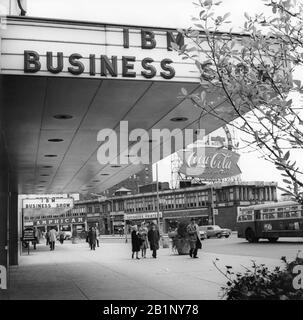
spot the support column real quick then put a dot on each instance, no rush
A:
(3, 232)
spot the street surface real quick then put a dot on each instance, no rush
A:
(73, 271)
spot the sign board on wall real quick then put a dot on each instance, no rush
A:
(56, 221)
(142, 216)
(211, 164)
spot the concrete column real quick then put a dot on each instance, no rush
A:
(3, 231)
(13, 229)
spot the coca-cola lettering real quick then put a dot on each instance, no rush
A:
(212, 164)
(216, 161)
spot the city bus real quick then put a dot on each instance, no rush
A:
(270, 221)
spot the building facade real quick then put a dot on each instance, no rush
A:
(111, 215)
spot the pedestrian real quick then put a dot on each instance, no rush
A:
(136, 242)
(97, 236)
(143, 236)
(153, 238)
(47, 238)
(194, 238)
(61, 237)
(52, 238)
(92, 238)
(36, 235)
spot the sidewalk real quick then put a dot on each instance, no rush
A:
(73, 271)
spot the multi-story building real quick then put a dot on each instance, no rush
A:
(133, 183)
(113, 213)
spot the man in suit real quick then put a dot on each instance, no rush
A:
(153, 238)
(194, 238)
(52, 238)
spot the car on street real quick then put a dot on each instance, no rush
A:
(215, 231)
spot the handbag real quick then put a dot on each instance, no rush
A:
(198, 244)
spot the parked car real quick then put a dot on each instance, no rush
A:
(215, 231)
(68, 235)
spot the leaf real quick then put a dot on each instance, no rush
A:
(287, 181)
(287, 154)
(184, 91)
(297, 83)
(226, 15)
(246, 15)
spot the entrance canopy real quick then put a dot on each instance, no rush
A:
(64, 81)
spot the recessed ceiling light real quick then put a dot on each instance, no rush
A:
(50, 155)
(63, 116)
(116, 166)
(55, 140)
(179, 119)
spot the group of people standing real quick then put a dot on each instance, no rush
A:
(143, 238)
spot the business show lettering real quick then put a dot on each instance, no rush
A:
(109, 65)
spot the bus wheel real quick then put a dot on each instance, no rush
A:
(250, 236)
(273, 240)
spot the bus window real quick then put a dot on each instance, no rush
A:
(258, 214)
(294, 214)
(280, 215)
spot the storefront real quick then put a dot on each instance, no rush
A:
(117, 222)
(76, 225)
(147, 217)
(172, 218)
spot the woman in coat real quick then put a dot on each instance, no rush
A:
(144, 242)
(153, 238)
(136, 242)
(92, 236)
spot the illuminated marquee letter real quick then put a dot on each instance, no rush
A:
(128, 66)
(3, 281)
(92, 64)
(126, 38)
(111, 67)
(49, 62)
(179, 40)
(31, 61)
(146, 65)
(73, 60)
(148, 39)
(165, 66)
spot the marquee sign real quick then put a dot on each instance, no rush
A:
(47, 203)
(93, 50)
(210, 164)
(55, 221)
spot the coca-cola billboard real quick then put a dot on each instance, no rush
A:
(209, 163)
